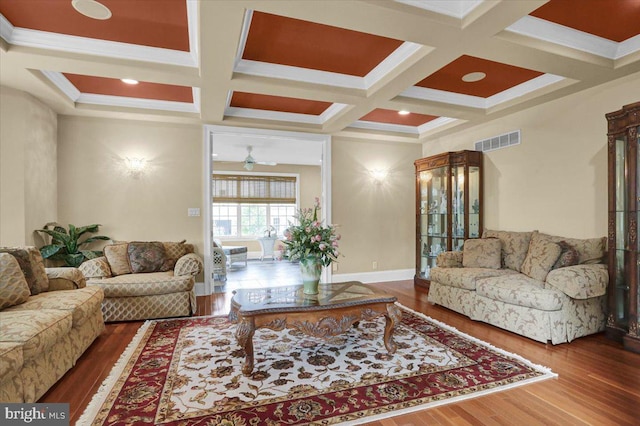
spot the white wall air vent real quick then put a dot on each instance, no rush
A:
(497, 142)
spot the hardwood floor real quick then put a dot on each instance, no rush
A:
(598, 383)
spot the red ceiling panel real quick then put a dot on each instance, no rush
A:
(500, 77)
(388, 116)
(286, 41)
(157, 23)
(278, 103)
(616, 20)
(114, 87)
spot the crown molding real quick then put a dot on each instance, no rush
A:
(287, 72)
(455, 8)
(540, 29)
(112, 49)
(124, 102)
(259, 114)
(63, 83)
(470, 101)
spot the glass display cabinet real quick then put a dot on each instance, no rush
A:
(624, 213)
(448, 206)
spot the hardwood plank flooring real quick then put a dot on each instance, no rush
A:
(598, 383)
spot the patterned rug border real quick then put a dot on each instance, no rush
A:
(107, 385)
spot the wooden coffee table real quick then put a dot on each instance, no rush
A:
(333, 311)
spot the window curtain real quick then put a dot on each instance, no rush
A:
(254, 189)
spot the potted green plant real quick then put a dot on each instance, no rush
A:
(66, 246)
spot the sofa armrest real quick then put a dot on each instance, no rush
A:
(189, 264)
(96, 268)
(449, 259)
(65, 279)
(579, 281)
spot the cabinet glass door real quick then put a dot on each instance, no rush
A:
(458, 206)
(621, 253)
(474, 202)
(433, 217)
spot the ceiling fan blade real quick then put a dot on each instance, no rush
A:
(266, 163)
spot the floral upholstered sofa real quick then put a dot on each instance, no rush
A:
(145, 280)
(48, 318)
(544, 287)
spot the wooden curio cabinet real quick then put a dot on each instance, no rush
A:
(624, 212)
(448, 206)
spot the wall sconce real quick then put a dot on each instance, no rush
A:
(136, 166)
(378, 175)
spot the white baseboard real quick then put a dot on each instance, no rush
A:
(200, 289)
(375, 277)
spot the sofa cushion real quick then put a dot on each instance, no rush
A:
(12, 359)
(96, 268)
(146, 256)
(568, 257)
(482, 253)
(541, 257)
(82, 303)
(173, 252)
(14, 289)
(143, 284)
(37, 331)
(465, 278)
(590, 250)
(514, 247)
(580, 281)
(520, 290)
(118, 258)
(32, 265)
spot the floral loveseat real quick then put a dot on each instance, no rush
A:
(145, 280)
(544, 287)
(48, 318)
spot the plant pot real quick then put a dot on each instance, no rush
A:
(310, 268)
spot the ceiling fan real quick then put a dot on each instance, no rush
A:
(249, 162)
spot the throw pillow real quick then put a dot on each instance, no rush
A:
(174, 251)
(568, 256)
(541, 257)
(118, 258)
(514, 247)
(482, 253)
(146, 256)
(32, 265)
(14, 289)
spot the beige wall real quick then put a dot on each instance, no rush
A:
(95, 186)
(377, 221)
(310, 187)
(556, 179)
(28, 168)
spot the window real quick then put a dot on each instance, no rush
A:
(244, 206)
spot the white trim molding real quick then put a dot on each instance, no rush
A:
(112, 49)
(259, 114)
(515, 92)
(400, 128)
(456, 8)
(376, 277)
(551, 32)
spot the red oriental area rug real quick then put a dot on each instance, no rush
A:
(189, 372)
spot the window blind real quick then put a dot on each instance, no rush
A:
(254, 189)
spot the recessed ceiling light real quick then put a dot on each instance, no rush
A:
(473, 77)
(214, 155)
(92, 9)
(129, 81)
(404, 112)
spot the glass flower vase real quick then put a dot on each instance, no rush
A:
(310, 268)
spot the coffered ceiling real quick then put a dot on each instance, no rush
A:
(339, 67)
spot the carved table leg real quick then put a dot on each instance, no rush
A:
(393, 316)
(244, 335)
